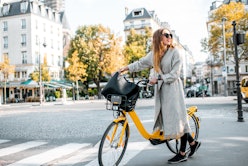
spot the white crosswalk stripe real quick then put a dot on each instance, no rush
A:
(80, 157)
(50, 155)
(20, 147)
(3, 141)
(65, 155)
(133, 148)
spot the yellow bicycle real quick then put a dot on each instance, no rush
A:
(115, 139)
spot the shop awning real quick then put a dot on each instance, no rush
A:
(33, 84)
(29, 83)
(62, 84)
(51, 85)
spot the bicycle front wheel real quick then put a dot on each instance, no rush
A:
(174, 144)
(113, 144)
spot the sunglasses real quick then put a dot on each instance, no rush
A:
(167, 35)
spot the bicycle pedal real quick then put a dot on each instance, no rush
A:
(156, 141)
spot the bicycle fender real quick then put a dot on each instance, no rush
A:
(191, 110)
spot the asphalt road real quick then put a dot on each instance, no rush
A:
(82, 123)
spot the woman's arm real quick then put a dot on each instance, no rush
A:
(141, 64)
(176, 64)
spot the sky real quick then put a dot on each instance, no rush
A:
(187, 17)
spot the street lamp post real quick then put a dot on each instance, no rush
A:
(240, 111)
(40, 74)
(224, 51)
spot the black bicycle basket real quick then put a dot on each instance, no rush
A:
(119, 85)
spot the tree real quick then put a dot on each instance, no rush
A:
(45, 76)
(97, 47)
(116, 57)
(6, 69)
(232, 11)
(76, 70)
(137, 46)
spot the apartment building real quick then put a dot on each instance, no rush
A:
(140, 18)
(216, 66)
(30, 31)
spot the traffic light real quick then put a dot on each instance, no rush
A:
(240, 37)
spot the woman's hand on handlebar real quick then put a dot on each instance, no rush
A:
(153, 80)
(123, 69)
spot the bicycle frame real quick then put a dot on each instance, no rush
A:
(140, 126)
(115, 138)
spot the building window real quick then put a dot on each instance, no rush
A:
(23, 40)
(143, 23)
(51, 43)
(131, 24)
(6, 55)
(24, 74)
(37, 40)
(37, 58)
(24, 57)
(58, 46)
(36, 24)
(51, 29)
(5, 26)
(24, 6)
(44, 27)
(17, 74)
(44, 41)
(59, 64)
(23, 22)
(5, 42)
(6, 9)
(138, 13)
(52, 57)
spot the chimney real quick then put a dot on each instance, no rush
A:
(126, 11)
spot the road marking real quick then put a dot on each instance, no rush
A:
(20, 147)
(82, 156)
(3, 141)
(133, 148)
(50, 155)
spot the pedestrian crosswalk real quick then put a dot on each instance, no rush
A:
(19, 147)
(67, 154)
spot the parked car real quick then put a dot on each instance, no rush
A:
(197, 90)
(244, 88)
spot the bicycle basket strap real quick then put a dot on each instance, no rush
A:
(119, 86)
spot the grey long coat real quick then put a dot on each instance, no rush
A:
(170, 109)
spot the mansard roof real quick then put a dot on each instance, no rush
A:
(145, 14)
(14, 9)
(64, 20)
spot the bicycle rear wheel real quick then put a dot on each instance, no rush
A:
(174, 144)
(111, 150)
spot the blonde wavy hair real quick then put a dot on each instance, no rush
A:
(159, 48)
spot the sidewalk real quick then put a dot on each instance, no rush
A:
(143, 102)
(57, 102)
(224, 140)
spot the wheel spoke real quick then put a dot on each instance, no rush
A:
(113, 144)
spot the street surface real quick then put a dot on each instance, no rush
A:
(68, 134)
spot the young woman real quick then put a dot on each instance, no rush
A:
(170, 108)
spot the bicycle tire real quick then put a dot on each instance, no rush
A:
(110, 153)
(174, 144)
